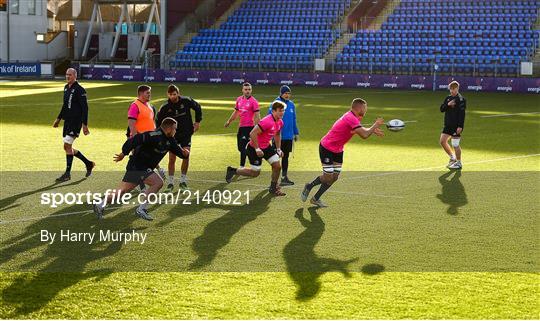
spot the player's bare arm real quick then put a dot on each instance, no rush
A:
(374, 129)
(277, 141)
(118, 157)
(253, 136)
(233, 117)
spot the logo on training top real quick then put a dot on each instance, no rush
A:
(327, 160)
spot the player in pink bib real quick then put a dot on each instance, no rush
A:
(260, 147)
(247, 109)
(332, 144)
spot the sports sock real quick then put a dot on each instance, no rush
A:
(285, 164)
(315, 182)
(453, 157)
(170, 179)
(80, 156)
(183, 178)
(69, 162)
(143, 205)
(242, 159)
(273, 185)
(324, 187)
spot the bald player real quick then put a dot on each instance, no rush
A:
(74, 112)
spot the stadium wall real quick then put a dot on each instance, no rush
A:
(104, 72)
(24, 24)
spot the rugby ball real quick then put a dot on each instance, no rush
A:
(395, 125)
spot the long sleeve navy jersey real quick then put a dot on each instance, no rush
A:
(454, 116)
(150, 148)
(181, 112)
(75, 106)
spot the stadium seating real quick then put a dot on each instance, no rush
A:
(267, 34)
(485, 37)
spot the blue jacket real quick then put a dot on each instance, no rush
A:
(289, 120)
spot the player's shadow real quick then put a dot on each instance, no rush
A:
(7, 203)
(58, 266)
(453, 192)
(219, 232)
(304, 266)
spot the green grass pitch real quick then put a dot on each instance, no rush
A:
(402, 238)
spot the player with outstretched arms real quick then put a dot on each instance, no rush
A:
(332, 145)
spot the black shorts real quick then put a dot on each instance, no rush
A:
(450, 130)
(328, 157)
(286, 145)
(255, 160)
(71, 128)
(242, 137)
(136, 174)
(183, 140)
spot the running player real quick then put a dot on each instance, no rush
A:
(247, 108)
(259, 147)
(453, 108)
(179, 108)
(74, 112)
(332, 144)
(148, 149)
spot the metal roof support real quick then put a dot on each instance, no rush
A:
(100, 20)
(128, 19)
(163, 33)
(89, 34)
(118, 30)
(153, 12)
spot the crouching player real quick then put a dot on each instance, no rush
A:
(148, 148)
(260, 147)
(331, 148)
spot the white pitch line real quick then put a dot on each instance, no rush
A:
(50, 216)
(257, 185)
(441, 167)
(299, 188)
(223, 134)
(507, 115)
